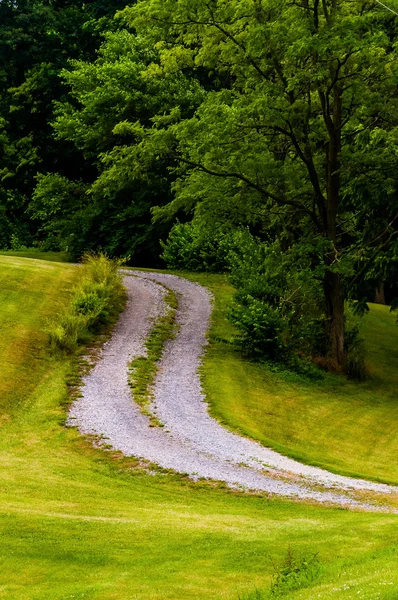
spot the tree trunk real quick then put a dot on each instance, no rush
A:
(379, 294)
(333, 287)
(334, 300)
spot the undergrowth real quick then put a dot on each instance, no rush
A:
(97, 299)
(144, 368)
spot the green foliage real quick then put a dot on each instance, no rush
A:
(97, 299)
(15, 243)
(296, 572)
(110, 100)
(37, 39)
(279, 313)
(59, 205)
(198, 247)
(278, 306)
(261, 325)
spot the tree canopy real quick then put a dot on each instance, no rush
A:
(301, 134)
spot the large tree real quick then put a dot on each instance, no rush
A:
(109, 206)
(302, 131)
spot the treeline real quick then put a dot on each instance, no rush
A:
(271, 125)
(68, 76)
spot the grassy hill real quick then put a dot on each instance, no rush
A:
(344, 426)
(76, 522)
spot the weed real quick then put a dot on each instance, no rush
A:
(70, 330)
(294, 573)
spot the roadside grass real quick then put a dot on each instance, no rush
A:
(79, 522)
(97, 300)
(344, 426)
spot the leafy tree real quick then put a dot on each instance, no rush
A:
(37, 38)
(301, 134)
(109, 103)
(195, 247)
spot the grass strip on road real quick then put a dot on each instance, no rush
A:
(143, 369)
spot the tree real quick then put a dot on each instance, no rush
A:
(37, 38)
(301, 132)
(109, 102)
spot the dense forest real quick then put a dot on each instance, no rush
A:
(254, 137)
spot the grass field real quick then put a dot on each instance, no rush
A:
(30, 292)
(345, 426)
(37, 254)
(79, 523)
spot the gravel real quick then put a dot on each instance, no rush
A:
(191, 441)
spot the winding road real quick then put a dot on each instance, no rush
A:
(191, 441)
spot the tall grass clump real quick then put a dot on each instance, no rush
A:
(295, 572)
(97, 299)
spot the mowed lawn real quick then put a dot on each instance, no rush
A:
(29, 292)
(345, 426)
(80, 523)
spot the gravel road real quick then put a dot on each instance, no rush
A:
(191, 441)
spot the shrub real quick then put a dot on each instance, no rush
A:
(276, 307)
(97, 299)
(196, 247)
(261, 326)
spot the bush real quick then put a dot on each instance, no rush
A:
(97, 299)
(261, 327)
(195, 247)
(276, 307)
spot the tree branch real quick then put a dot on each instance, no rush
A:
(259, 188)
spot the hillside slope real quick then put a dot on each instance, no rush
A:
(77, 522)
(343, 426)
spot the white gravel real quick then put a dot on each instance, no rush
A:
(191, 441)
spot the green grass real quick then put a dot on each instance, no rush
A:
(81, 523)
(345, 426)
(30, 292)
(38, 255)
